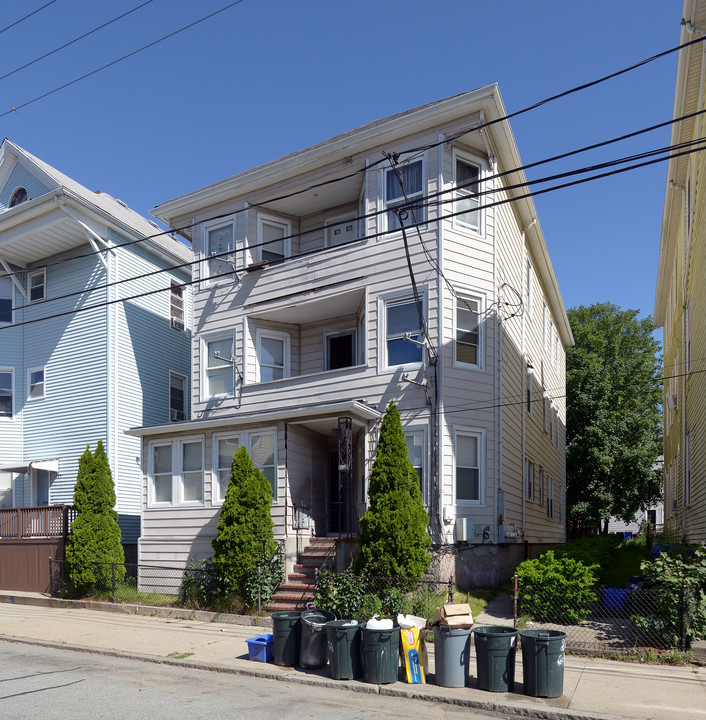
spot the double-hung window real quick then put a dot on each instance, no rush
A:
(416, 452)
(225, 448)
(467, 194)
(403, 331)
(468, 331)
(273, 238)
(37, 281)
(272, 355)
(262, 450)
(6, 296)
(468, 467)
(176, 472)
(219, 249)
(404, 186)
(219, 378)
(6, 390)
(529, 480)
(177, 397)
(35, 383)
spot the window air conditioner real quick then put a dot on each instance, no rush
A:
(177, 324)
(672, 402)
(176, 415)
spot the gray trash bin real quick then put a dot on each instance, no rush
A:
(543, 662)
(312, 638)
(452, 652)
(285, 628)
(496, 646)
(381, 655)
(345, 649)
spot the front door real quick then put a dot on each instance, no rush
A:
(337, 506)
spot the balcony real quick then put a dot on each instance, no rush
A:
(36, 522)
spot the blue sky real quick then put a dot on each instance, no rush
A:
(268, 77)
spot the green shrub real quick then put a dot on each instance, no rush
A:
(263, 579)
(245, 528)
(342, 594)
(556, 589)
(370, 605)
(395, 603)
(670, 573)
(394, 541)
(94, 539)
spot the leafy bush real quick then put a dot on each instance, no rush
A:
(393, 531)
(342, 594)
(245, 529)
(94, 540)
(556, 589)
(263, 579)
(369, 606)
(672, 574)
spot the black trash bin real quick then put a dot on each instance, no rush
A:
(452, 651)
(496, 646)
(285, 628)
(312, 639)
(543, 662)
(381, 655)
(345, 649)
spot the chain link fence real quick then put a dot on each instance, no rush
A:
(613, 620)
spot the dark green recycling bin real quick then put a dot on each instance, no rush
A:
(381, 655)
(496, 646)
(543, 662)
(285, 628)
(344, 639)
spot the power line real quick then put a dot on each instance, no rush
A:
(381, 233)
(29, 15)
(15, 108)
(75, 40)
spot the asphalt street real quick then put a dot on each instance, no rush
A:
(49, 683)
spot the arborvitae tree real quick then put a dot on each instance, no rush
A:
(245, 529)
(394, 541)
(95, 536)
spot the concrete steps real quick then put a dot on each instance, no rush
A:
(300, 586)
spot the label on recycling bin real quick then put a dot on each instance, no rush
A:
(513, 639)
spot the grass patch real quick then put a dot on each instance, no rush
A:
(179, 656)
(126, 593)
(478, 598)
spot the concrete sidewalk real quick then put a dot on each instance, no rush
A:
(592, 688)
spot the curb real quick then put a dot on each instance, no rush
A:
(429, 693)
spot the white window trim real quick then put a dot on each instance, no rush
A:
(480, 434)
(216, 498)
(204, 385)
(273, 220)
(334, 333)
(423, 431)
(383, 301)
(177, 470)
(205, 271)
(29, 383)
(470, 159)
(12, 393)
(183, 377)
(481, 300)
(33, 274)
(11, 298)
(261, 333)
(388, 207)
(529, 484)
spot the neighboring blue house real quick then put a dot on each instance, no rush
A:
(85, 351)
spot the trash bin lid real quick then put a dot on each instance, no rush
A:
(494, 630)
(317, 617)
(543, 635)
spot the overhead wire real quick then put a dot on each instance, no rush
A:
(415, 223)
(75, 40)
(29, 15)
(15, 108)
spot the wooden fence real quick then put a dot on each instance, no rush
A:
(28, 538)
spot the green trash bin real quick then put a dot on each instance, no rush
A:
(285, 628)
(312, 637)
(381, 655)
(543, 662)
(344, 639)
(496, 646)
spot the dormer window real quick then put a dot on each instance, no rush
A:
(19, 196)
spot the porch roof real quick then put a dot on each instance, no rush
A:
(23, 467)
(315, 416)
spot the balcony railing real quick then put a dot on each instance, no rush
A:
(36, 522)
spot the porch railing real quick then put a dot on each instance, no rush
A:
(36, 522)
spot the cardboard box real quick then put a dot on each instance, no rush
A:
(454, 615)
